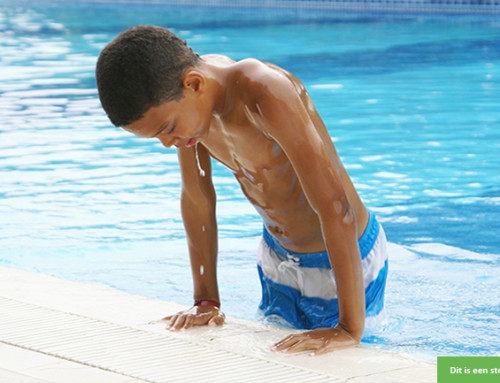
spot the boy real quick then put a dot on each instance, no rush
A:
(258, 120)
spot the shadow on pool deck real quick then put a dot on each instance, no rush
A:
(53, 330)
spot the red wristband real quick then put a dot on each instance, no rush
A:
(206, 302)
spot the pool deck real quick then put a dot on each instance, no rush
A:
(58, 331)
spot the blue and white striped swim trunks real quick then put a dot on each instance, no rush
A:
(300, 288)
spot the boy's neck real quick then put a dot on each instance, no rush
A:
(216, 76)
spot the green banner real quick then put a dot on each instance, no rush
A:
(468, 369)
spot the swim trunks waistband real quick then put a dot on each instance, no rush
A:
(321, 259)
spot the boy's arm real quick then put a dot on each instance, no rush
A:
(290, 118)
(198, 214)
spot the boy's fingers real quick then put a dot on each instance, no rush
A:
(306, 343)
(188, 322)
(284, 344)
(170, 320)
(326, 347)
(284, 341)
(216, 320)
(187, 319)
(331, 346)
(177, 322)
(297, 343)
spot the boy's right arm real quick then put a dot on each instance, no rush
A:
(198, 214)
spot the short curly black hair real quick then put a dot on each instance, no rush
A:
(141, 68)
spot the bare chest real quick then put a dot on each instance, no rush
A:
(268, 180)
(256, 160)
(241, 146)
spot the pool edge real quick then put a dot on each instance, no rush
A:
(237, 337)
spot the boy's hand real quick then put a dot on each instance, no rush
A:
(195, 316)
(320, 340)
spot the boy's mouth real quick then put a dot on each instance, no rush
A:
(191, 142)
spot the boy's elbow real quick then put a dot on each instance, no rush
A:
(340, 212)
(344, 212)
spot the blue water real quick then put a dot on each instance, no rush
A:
(413, 106)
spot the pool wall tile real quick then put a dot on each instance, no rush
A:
(391, 6)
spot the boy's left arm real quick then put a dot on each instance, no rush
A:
(290, 118)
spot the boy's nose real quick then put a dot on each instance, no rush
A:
(169, 141)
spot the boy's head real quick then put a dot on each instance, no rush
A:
(141, 68)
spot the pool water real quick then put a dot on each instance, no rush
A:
(412, 103)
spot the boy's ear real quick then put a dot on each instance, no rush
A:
(194, 80)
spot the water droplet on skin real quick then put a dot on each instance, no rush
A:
(337, 205)
(202, 172)
(202, 270)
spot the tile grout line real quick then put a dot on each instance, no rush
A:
(62, 357)
(16, 373)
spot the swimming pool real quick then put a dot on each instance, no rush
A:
(411, 102)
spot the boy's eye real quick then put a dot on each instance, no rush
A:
(166, 128)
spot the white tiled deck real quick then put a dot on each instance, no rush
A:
(58, 331)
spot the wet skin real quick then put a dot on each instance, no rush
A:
(258, 120)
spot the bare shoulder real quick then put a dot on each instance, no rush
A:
(273, 99)
(259, 70)
(266, 78)
(250, 72)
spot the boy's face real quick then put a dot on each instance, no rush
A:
(180, 123)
